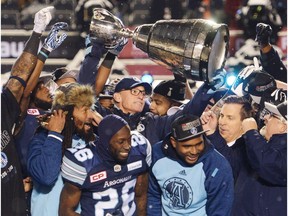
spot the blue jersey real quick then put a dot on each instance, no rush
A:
(24, 137)
(106, 188)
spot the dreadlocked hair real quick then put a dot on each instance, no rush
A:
(66, 98)
(68, 130)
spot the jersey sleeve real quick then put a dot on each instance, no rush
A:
(220, 188)
(154, 205)
(44, 157)
(143, 145)
(73, 169)
(269, 160)
(89, 67)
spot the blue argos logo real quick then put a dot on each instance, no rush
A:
(179, 192)
(193, 130)
(4, 160)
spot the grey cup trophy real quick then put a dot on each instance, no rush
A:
(194, 48)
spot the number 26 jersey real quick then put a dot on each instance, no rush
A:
(107, 188)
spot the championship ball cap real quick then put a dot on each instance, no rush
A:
(132, 82)
(280, 109)
(107, 92)
(186, 127)
(172, 89)
(260, 83)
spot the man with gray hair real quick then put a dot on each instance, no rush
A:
(268, 157)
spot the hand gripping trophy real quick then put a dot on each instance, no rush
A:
(193, 48)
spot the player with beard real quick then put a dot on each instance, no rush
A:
(69, 124)
(110, 176)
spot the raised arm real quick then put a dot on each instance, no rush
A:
(26, 62)
(266, 158)
(89, 68)
(105, 67)
(270, 59)
(52, 41)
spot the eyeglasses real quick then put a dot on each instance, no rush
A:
(275, 116)
(280, 118)
(136, 92)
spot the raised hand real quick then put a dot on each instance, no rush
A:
(241, 81)
(95, 117)
(279, 95)
(209, 122)
(218, 80)
(118, 48)
(42, 19)
(249, 124)
(263, 34)
(53, 39)
(94, 47)
(57, 121)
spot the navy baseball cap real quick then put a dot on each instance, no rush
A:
(260, 84)
(130, 83)
(186, 127)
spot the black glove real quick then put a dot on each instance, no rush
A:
(263, 34)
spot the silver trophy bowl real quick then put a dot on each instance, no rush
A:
(105, 27)
(193, 48)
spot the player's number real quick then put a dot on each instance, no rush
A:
(82, 154)
(137, 140)
(114, 198)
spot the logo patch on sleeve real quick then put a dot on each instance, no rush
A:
(134, 165)
(98, 176)
(33, 112)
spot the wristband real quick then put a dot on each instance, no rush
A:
(43, 54)
(23, 83)
(109, 60)
(32, 44)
